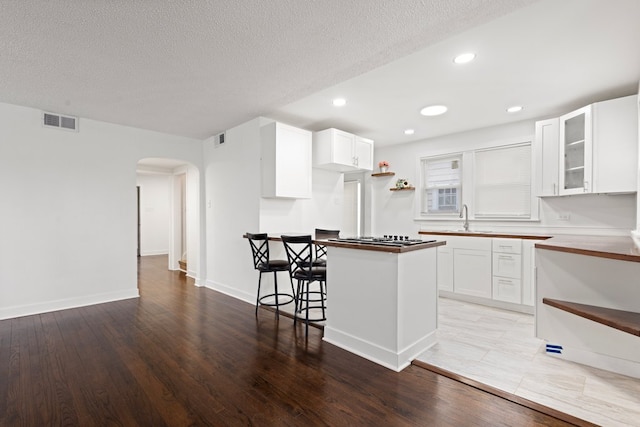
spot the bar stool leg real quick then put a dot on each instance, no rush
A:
(258, 295)
(277, 301)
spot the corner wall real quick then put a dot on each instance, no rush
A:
(68, 216)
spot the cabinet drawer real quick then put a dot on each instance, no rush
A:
(507, 265)
(508, 290)
(510, 246)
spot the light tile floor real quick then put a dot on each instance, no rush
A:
(498, 348)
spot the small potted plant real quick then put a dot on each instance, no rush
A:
(383, 165)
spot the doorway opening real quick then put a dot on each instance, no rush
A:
(352, 214)
(168, 206)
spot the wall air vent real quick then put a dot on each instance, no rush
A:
(58, 121)
(218, 140)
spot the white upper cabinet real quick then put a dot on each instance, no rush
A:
(590, 150)
(342, 151)
(363, 150)
(286, 161)
(615, 145)
(547, 140)
(576, 152)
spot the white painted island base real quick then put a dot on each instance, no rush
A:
(382, 305)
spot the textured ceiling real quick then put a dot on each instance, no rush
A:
(550, 57)
(195, 67)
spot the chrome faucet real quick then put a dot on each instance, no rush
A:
(465, 210)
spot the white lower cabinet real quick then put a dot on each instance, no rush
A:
(507, 270)
(497, 269)
(506, 289)
(529, 271)
(507, 265)
(472, 272)
(445, 268)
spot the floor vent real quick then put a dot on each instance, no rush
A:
(552, 348)
(58, 121)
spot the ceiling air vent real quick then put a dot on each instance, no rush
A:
(51, 120)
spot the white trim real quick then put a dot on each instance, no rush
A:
(64, 304)
(155, 252)
(375, 353)
(520, 308)
(232, 292)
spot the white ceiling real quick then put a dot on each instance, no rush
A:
(196, 68)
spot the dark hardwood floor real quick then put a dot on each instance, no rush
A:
(181, 355)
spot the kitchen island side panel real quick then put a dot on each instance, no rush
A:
(361, 295)
(380, 305)
(417, 297)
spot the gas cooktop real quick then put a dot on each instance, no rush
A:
(386, 240)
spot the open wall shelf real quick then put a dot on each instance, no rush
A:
(383, 174)
(625, 321)
(403, 189)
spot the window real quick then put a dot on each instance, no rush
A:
(502, 182)
(441, 186)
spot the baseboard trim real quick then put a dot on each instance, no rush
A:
(232, 292)
(64, 304)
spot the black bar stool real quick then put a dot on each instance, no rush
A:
(300, 256)
(321, 250)
(261, 262)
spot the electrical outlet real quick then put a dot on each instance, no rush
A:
(564, 216)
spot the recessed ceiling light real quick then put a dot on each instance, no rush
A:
(409, 131)
(433, 110)
(464, 58)
(339, 102)
(514, 109)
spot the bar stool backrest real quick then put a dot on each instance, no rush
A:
(260, 249)
(321, 250)
(299, 252)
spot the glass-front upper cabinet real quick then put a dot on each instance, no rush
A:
(576, 152)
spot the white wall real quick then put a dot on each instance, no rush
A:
(235, 207)
(155, 215)
(395, 212)
(68, 215)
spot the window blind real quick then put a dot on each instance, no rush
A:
(502, 178)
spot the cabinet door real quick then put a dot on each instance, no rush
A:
(342, 148)
(285, 161)
(472, 272)
(445, 268)
(363, 153)
(576, 152)
(547, 141)
(528, 271)
(615, 145)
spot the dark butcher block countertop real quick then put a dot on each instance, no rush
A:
(612, 247)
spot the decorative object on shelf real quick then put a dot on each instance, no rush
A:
(383, 165)
(402, 183)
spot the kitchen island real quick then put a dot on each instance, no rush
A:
(382, 300)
